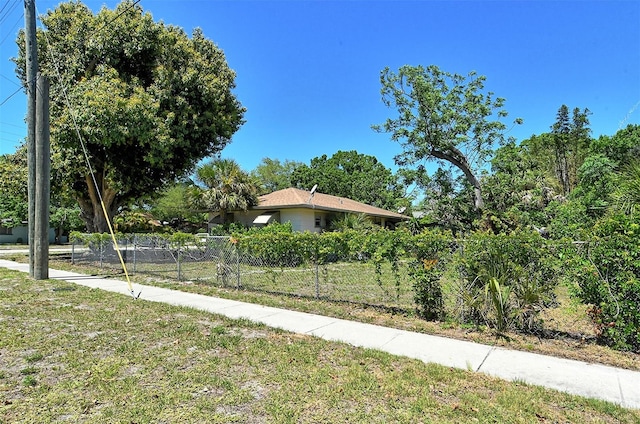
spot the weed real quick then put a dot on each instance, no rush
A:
(33, 357)
(29, 381)
(29, 371)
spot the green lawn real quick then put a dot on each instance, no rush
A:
(71, 354)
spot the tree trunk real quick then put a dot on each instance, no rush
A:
(91, 209)
(562, 171)
(461, 164)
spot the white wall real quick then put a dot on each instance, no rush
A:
(246, 218)
(302, 219)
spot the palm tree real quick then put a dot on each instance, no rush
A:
(223, 186)
(352, 221)
(626, 196)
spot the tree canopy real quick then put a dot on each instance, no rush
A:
(570, 145)
(147, 101)
(353, 175)
(274, 175)
(442, 117)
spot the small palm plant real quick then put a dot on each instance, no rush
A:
(223, 187)
(352, 221)
(626, 197)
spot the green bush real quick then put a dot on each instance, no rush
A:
(95, 241)
(609, 280)
(431, 252)
(275, 245)
(506, 280)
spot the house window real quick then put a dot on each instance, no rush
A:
(318, 221)
(5, 231)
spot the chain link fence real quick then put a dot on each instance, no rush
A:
(216, 260)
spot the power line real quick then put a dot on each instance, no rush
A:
(12, 125)
(11, 80)
(10, 96)
(8, 12)
(17, 135)
(4, 15)
(5, 5)
(119, 14)
(11, 30)
(8, 140)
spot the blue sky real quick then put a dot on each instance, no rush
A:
(308, 71)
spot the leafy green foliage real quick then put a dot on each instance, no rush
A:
(431, 251)
(609, 279)
(351, 221)
(65, 219)
(148, 101)
(135, 221)
(626, 196)
(622, 147)
(226, 187)
(448, 202)
(172, 208)
(506, 280)
(13, 178)
(273, 175)
(443, 117)
(518, 190)
(571, 140)
(277, 244)
(352, 175)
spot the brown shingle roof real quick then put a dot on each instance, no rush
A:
(296, 198)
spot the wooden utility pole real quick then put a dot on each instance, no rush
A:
(43, 183)
(31, 50)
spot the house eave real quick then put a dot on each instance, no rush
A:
(329, 209)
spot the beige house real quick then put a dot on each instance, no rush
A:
(306, 211)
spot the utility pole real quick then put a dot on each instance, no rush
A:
(31, 50)
(43, 181)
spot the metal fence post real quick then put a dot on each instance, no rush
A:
(73, 245)
(317, 280)
(101, 244)
(135, 247)
(235, 249)
(317, 269)
(179, 260)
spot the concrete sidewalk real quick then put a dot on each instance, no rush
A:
(589, 380)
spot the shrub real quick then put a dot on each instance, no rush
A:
(95, 241)
(431, 251)
(275, 245)
(609, 280)
(507, 280)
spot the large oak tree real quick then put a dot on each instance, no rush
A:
(147, 100)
